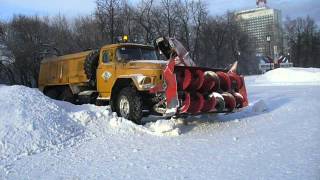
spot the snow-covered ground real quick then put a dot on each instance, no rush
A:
(276, 137)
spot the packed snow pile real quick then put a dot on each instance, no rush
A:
(31, 123)
(259, 107)
(289, 76)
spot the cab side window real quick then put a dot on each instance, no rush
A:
(106, 58)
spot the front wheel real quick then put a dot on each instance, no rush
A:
(129, 105)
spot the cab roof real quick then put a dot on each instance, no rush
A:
(125, 44)
(85, 53)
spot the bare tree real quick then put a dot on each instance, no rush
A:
(199, 16)
(86, 33)
(24, 41)
(61, 35)
(303, 40)
(145, 19)
(107, 14)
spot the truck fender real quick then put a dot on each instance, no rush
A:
(137, 80)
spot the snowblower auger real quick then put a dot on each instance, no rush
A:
(195, 90)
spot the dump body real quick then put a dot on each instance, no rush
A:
(63, 70)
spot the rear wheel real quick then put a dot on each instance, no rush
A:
(129, 105)
(67, 95)
(60, 93)
(52, 93)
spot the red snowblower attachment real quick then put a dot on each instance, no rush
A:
(189, 89)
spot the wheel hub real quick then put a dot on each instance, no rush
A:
(124, 107)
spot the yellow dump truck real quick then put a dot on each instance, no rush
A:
(103, 75)
(130, 78)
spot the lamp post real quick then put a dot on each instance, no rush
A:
(268, 38)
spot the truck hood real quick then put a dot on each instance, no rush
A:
(147, 64)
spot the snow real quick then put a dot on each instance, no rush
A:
(288, 76)
(276, 137)
(31, 123)
(259, 107)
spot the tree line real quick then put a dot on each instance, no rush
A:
(303, 37)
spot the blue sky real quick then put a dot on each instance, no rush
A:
(72, 8)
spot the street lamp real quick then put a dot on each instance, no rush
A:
(268, 38)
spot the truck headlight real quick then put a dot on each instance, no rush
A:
(147, 80)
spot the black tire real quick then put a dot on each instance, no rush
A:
(67, 95)
(134, 102)
(90, 66)
(52, 93)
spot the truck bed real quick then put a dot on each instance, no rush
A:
(61, 70)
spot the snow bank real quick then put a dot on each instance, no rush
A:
(259, 107)
(31, 123)
(288, 76)
(160, 127)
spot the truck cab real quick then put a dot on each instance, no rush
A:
(134, 63)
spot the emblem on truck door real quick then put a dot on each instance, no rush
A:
(106, 75)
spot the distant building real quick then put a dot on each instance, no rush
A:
(264, 27)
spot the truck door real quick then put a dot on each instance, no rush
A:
(106, 73)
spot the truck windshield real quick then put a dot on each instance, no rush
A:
(136, 53)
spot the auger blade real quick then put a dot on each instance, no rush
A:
(183, 78)
(239, 100)
(186, 103)
(197, 80)
(225, 83)
(197, 102)
(220, 104)
(209, 104)
(211, 80)
(229, 100)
